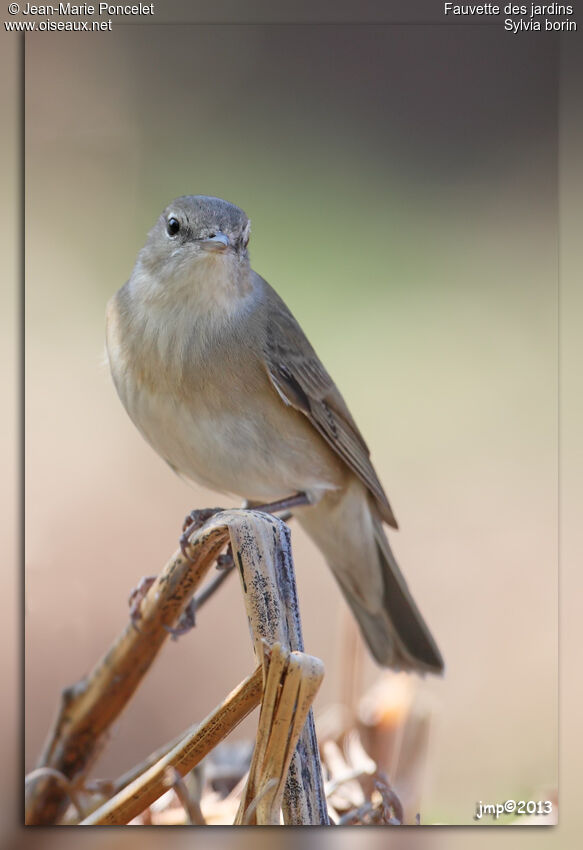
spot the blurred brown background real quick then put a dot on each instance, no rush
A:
(402, 186)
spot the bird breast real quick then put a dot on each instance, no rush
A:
(204, 402)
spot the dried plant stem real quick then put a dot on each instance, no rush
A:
(191, 806)
(143, 791)
(292, 682)
(64, 781)
(93, 704)
(262, 552)
(261, 547)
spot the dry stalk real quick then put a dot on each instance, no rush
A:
(90, 707)
(191, 806)
(261, 548)
(143, 791)
(292, 682)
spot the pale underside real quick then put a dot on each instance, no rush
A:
(258, 418)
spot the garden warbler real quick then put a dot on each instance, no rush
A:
(222, 382)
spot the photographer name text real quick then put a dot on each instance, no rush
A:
(86, 9)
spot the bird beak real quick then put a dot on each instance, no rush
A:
(219, 242)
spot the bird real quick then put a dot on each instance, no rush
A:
(220, 379)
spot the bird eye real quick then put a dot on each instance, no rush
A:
(172, 226)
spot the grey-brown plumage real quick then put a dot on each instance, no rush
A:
(221, 380)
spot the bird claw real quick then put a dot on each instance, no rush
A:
(226, 560)
(137, 596)
(186, 621)
(193, 521)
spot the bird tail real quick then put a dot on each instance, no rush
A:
(397, 636)
(351, 537)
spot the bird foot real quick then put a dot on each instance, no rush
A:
(194, 520)
(186, 621)
(137, 596)
(295, 501)
(226, 561)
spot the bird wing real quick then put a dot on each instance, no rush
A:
(301, 380)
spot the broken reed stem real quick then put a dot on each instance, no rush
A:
(90, 707)
(262, 549)
(145, 789)
(293, 679)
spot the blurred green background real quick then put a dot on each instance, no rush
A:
(402, 187)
